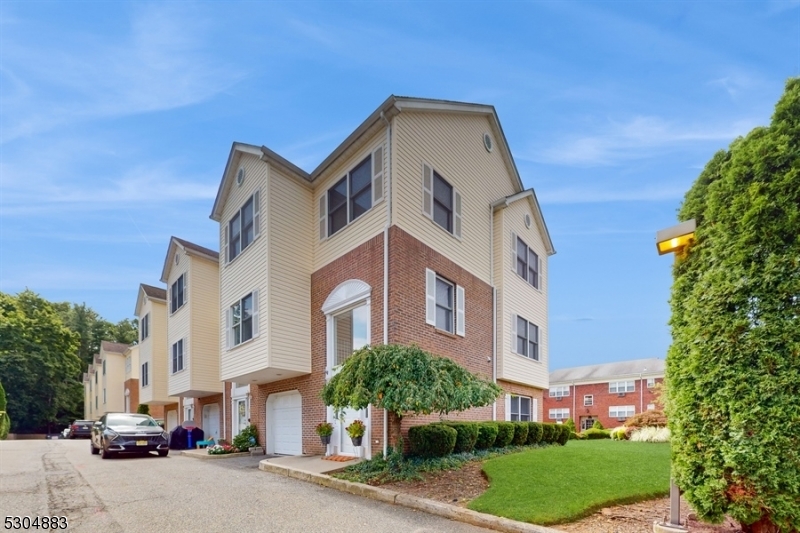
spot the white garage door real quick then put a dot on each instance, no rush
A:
(211, 421)
(172, 420)
(284, 417)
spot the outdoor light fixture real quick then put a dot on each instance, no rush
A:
(676, 238)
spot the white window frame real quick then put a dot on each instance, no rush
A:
(429, 176)
(515, 408)
(621, 411)
(621, 387)
(458, 325)
(558, 413)
(228, 235)
(232, 323)
(651, 382)
(179, 293)
(559, 391)
(375, 163)
(530, 336)
(651, 407)
(178, 356)
(588, 400)
(531, 258)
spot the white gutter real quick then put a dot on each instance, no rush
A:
(386, 262)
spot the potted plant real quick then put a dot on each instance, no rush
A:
(356, 431)
(325, 430)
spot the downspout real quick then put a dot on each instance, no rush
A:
(494, 306)
(224, 411)
(386, 263)
(574, 399)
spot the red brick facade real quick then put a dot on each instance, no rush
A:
(132, 387)
(602, 400)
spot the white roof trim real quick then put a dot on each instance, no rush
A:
(347, 293)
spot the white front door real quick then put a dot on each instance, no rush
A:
(348, 331)
(211, 421)
(239, 416)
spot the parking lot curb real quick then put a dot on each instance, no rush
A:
(188, 453)
(442, 509)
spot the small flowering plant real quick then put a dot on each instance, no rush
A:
(356, 429)
(221, 449)
(324, 429)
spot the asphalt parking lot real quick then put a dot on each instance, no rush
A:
(178, 493)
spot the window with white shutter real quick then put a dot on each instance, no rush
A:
(460, 326)
(457, 213)
(243, 320)
(323, 216)
(430, 297)
(441, 202)
(427, 190)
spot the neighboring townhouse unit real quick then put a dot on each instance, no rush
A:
(610, 392)
(91, 384)
(132, 378)
(151, 310)
(110, 378)
(191, 273)
(416, 229)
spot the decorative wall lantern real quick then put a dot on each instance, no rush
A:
(676, 239)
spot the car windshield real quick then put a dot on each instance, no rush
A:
(130, 420)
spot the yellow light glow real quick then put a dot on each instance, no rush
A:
(675, 244)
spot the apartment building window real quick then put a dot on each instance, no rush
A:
(526, 338)
(353, 195)
(177, 293)
(560, 413)
(520, 408)
(145, 326)
(441, 202)
(559, 391)
(177, 356)
(588, 400)
(651, 407)
(651, 382)
(96, 406)
(445, 304)
(104, 368)
(621, 411)
(145, 374)
(243, 228)
(526, 261)
(243, 320)
(622, 386)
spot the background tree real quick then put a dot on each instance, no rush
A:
(405, 380)
(733, 400)
(92, 329)
(39, 365)
(143, 409)
(5, 422)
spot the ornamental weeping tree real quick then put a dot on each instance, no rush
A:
(405, 380)
(733, 400)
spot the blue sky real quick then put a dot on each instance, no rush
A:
(117, 119)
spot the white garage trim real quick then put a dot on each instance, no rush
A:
(285, 423)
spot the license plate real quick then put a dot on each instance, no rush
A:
(141, 443)
(84, 427)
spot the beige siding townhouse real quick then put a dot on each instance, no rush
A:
(416, 229)
(91, 384)
(151, 310)
(132, 378)
(191, 273)
(110, 378)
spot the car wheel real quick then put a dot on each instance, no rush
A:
(163, 453)
(106, 454)
(95, 451)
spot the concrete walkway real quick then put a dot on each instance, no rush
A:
(313, 464)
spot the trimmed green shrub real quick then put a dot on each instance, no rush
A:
(467, 434)
(562, 434)
(432, 440)
(548, 433)
(505, 434)
(534, 432)
(143, 409)
(520, 433)
(594, 433)
(597, 425)
(247, 438)
(574, 436)
(487, 434)
(570, 423)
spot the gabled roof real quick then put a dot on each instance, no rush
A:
(606, 371)
(537, 212)
(188, 247)
(151, 293)
(374, 122)
(114, 347)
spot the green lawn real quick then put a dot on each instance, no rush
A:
(559, 484)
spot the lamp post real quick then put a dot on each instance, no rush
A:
(674, 240)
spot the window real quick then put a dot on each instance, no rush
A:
(177, 293)
(188, 413)
(350, 333)
(145, 374)
(621, 411)
(243, 228)
(520, 408)
(559, 391)
(651, 382)
(104, 396)
(526, 338)
(95, 377)
(651, 407)
(588, 400)
(526, 261)
(587, 422)
(561, 413)
(622, 386)
(440, 201)
(243, 320)
(177, 356)
(95, 403)
(145, 327)
(353, 195)
(445, 304)
(104, 369)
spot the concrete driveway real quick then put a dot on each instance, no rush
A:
(150, 493)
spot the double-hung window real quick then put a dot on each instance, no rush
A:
(588, 400)
(104, 369)
(243, 320)
(526, 262)
(560, 413)
(178, 293)
(651, 382)
(104, 396)
(445, 305)
(145, 374)
(559, 391)
(145, 326)
(177, 356)
(526, 338)
(441, 202)
(243, 228)
(352, 196)
(520, 409)
(621, 411)
(622, 386)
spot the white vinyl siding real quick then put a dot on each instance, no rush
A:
(154, 351)
(203, 331)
